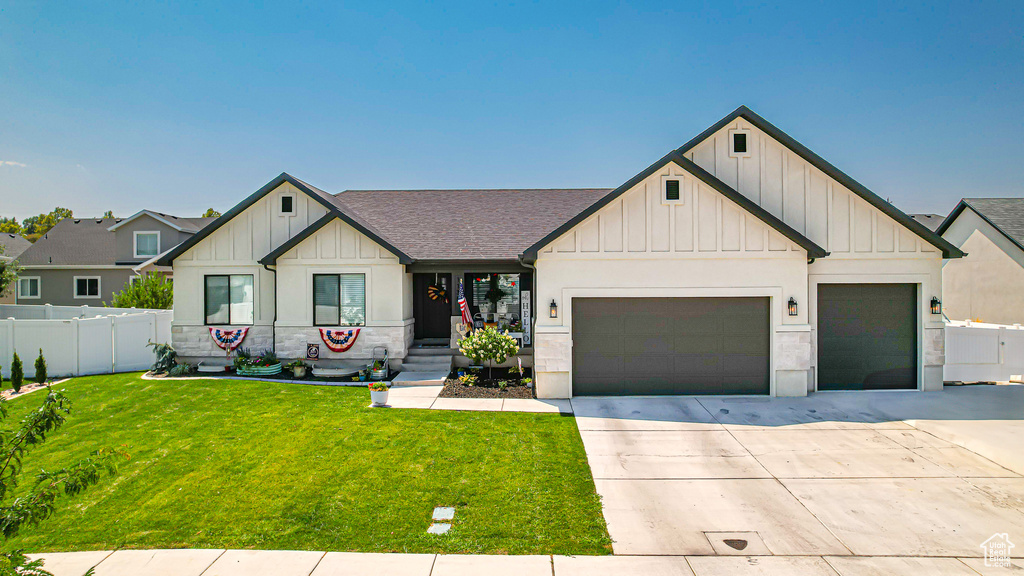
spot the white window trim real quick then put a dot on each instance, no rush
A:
(99, 287)
(733, 153)
(39, 287)
(295, 207)
(135, 243)
(664, 189)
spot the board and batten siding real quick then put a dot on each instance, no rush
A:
(703, 223)
(341, 249)
(802, 196)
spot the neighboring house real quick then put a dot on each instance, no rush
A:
(929, 221)
(988, 284)
(84, 261)
(13, 245)
(739, 263)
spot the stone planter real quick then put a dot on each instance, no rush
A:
(378, 398)
(299, 371)
(259, 370)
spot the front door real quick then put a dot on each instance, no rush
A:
(432, 305)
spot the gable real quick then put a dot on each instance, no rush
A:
(256, 230)
(809, 194)
(335, 242)
(703, 221)
(965, 224)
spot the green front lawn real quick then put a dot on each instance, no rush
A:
(240, 464)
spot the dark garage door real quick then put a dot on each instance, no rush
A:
(670, 346)
(867, 336)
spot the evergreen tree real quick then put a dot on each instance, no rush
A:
(40, 368)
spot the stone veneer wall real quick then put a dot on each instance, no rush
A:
(193, 343)
(552, 360)
(934, 358)
(291, 343)
(792, 355)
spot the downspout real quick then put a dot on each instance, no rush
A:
(273, 327)
(533, 295)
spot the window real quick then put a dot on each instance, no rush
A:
(87, 286)
(672, 189)
(229, 299)
(288, 205)
(147, 244)
(28, 287)
(507, 283)
(739, 143)
(339, 299)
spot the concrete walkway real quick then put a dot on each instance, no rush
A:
(425, 397)
(292, 563)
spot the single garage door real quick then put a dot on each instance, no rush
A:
(626, 346)
(867, 336)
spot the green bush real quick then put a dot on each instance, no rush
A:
(150, 291)
(488, 345)
(40, 368)
(181, 370)
(166, 357)
(17, 373)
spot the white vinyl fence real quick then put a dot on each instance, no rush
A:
(86, 343)
(977, 352)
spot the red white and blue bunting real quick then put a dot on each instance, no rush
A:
(228, 339)
(339, 340)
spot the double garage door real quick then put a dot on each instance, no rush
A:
(648, 346)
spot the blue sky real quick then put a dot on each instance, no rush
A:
(181, 107)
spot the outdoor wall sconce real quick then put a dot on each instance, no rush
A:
(554, 309)
(936, 306)
(792, 306)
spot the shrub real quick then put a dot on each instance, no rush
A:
(467, 380)
(166, 358)
(150, 291)
(17, 373)
(40, 368)
(181, 370)
(527, 381)
(502, 384)
(488, 345)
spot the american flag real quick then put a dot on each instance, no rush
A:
(467, 317)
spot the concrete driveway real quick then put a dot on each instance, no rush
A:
(833, 474)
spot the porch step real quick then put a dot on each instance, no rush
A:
(427, 363)
(431, 343)
(439, 351)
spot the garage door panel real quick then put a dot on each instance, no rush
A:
(671, 346)
(867, 336)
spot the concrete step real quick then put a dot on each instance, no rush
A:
(432, 351)
(438, 367)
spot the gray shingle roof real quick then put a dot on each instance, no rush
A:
(931, 221)
(466, 224)
(74, 241)
(1007, 214)
(13, 244)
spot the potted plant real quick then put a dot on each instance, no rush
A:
(378, 394)
(378, 370)
(298, 368)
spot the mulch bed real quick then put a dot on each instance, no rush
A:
(487, 388)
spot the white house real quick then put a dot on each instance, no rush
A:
(739, 263)
(987, 285)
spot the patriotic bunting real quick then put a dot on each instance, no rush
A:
(339, 340)
(228, 339)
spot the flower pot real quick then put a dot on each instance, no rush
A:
(379, 374)
(378, 399)
(299, 371)
(259, 370)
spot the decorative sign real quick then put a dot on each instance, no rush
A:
(312, 351)
(339, 340)
(524, 298)
(462, 329)
(228, 339)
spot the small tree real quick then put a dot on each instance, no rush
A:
(211, 213)
(150, 291)
(488, 345)
(8, 274)
(40, 368)
(17, 373)
(39, 503)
